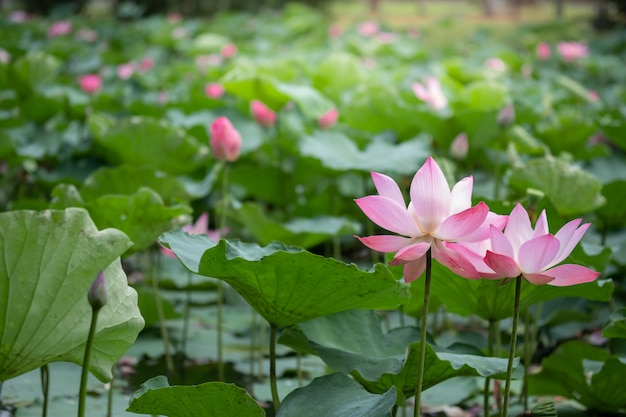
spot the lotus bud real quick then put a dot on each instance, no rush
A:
(459, 146)
(328, 119)
(543, 51)
(225, 140)
(506, 116)
(98, 294)
(214, 90)
(90, 83)
(262, 114)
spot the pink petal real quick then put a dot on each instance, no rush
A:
(500, 244)
(518, 229)
(385, 243)
(502, 265)
(387, 187)
(539, 279)
(430, 195)
(570, 274)
(537, 253)
(454, 260)
(411, 253)
(387, 214)
(461, 195)
(541, 227)
(414, 270)
(569, 236)
(483, 232)
(465, 223)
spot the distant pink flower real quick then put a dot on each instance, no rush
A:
(125, 71)
(60, 28)
(146, 64)
(225, 140)
(90, 83)
(200, 227)
(368, 28)
(495, 64)
(204, 61)
(386, 37)
(435, 216)
(459, 146)
(412, 33)
(572, 51)
(532, 253)
(262, 114)
(214, 90)
(5, 57)
(174, 17)
(430, 92)
(87, 35)
(334, 31)
(328, 119)
(229, 50)
(594, 96)
(506, 117)
(543, 51)
(19, 16)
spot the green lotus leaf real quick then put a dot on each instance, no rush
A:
(215, 399)
(613, 214)
(50, 261)
(287, 285)
(616, 327)
(337, 395)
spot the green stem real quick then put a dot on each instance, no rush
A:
(158, 301)
(490, 348)
(422, 351)
(220, 331)
(110, 395)
(45, 388)
(527, 356)
(273, 382)
(82, 394)
(509, 368)
(186, 320)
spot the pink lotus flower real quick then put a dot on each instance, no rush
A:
(5, 57)
(459, 146)
(543, 51)
(214, 90)
(200, 227)
(495, 64)
(146, 64)
(368, 28)
(125, 71)
(87, 35)
(334, 31)
(572, 51)
(430, 92)
(594, 96)
(174, 18)
(229, 50)
(328, 119)
(386, 37)
(532, 253)
(225, 140)
(60, 28)
(19, 16)
(262, 114)
(435, 216)
(90, 83)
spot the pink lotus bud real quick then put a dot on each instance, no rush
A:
(225, 140)
(146, 64)
(506, 117)
(334, 31)
(214, 90)
(125, 71)
(328, 119)
(262, 114)
(90, 83)
(543, 51)
(572, 51)
(459, 146)
(369, 28)
(495, 64)
(98, 294)
(5, 57)
(229, 50)
(60, 28)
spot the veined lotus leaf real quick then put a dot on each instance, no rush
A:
(49, 260)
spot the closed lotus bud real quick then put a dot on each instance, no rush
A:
(90, 83)
(459, 146)
(98, 294)
(214, 90)
(506, 116)
(262, 114)
(225, 140)
(328, 119)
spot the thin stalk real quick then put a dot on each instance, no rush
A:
(110, 395)
(45, 388)
(491, 341)
(158, 301)
(509, 368)
(262, 334)
(273, 382)
(299, 369)
(82, 394)
(422, 351)
(186, 320)
(254, 330)
(220, 285)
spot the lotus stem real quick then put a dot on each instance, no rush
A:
(82, 395)
(158, 301)
(45, 388)
(273, 382)
(422, 351)
(222, 227)
(490, 348)
(110, 395)
(509, 368)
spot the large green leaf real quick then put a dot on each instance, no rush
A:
(312, 103)
(211, 399)
(336, 395)
(287, 285)
(613, 213)
(588, 374)
(572, 190)
(616, 327)
(491, 300)
(50, 260)
(354, 342)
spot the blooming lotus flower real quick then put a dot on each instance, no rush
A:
(200, 227)
(368, 28)
(435, 216)
(125, 71)
(431, 93)
(214, 90)
(225, 140)
(146, 64)
(328, 119)
(262, 114)
(90, 83)
(572, 51)
(543, 51)
(532, 253)
(459, 146)
(60, 28)
(229, 50)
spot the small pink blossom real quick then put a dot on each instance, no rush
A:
(19, 16)
(572, 51)
(5, 57)
(87, 35)
(214, 90)
(543, 51)
(229, 50)
(594, 96)
(262, 114)
(200, 227)
(531, 253)
(60, 28)
(430, 92)
(174, 18)
(386, 37)
(328, 119)
(146, 64)
(334, 31)
(459, 146)
(225, 140)
(90, 83)
(495, 64)
(368, 28)
(435, 217)
(125, 71)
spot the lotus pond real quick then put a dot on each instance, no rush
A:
(211, 216)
